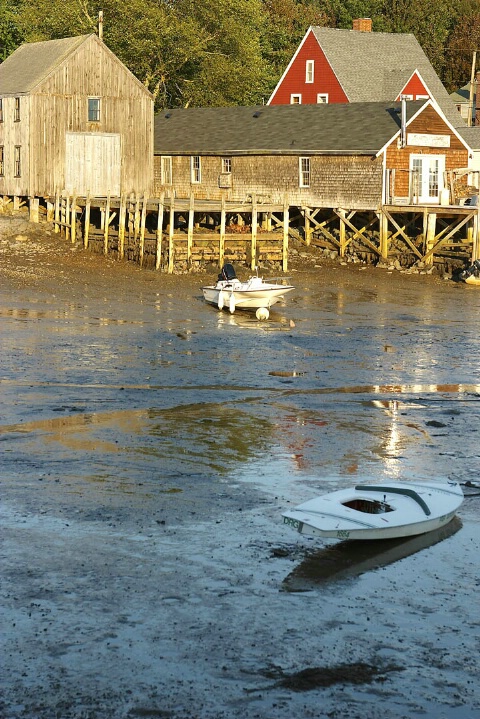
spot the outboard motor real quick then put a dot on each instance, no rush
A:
(473, 270)
(227, 273)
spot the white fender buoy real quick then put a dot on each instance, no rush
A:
(232, 303)
(262, 313)
(221, 300)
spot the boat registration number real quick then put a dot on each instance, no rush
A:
(295, 523)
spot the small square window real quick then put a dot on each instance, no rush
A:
(322, 98)
(93, 109)
(295, 99)
(226, 165)
(16, 110)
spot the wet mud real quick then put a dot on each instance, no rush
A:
(149, 444)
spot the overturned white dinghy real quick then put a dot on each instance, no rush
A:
(254, 294)
(381, 511)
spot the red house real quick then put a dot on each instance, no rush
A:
(358, 65)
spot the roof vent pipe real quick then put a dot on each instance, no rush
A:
(403, 121)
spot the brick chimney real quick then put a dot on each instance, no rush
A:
(362, 24)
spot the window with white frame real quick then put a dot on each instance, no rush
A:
(195, 169)
(422, 97)
(17, 165)
(166, 170)
(226, 165)
(322, 98)
(16, 110)
(304, 171)
(309, 71)
(295, 99)
(93, 109)
(2, 161)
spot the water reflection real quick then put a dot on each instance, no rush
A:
(353, 558)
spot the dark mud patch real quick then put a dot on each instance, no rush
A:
(322, 677)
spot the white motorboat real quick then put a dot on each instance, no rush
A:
(380, 511)
(254, 294)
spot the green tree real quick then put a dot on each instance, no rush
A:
(463, 42)
(10, 35)
(286, 24)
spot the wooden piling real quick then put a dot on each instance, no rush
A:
(142, 229)
(34, 209)
(171, 228)
(253, 254)
(158, 255)
(73, 220)
(56, 225)
(223, 222)
(121, 226)
(106, 225)
(191, 215)
(286, 224)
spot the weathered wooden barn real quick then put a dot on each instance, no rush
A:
(73, 119)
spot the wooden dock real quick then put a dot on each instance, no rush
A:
(170, 233)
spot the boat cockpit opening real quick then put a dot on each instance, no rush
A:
(368, 506)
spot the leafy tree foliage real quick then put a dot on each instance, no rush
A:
(10, 35)
(233, 52)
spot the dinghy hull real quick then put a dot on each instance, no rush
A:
(387, 511)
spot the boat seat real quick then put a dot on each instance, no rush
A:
(227, 273)
(396, 490)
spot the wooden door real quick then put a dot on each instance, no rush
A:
(92, 164)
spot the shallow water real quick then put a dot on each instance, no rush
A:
(132, 414)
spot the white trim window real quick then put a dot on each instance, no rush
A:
(226, 165)
(309, 71)
(16, 110)
(166, 170)
(195, 169)
(422, 97)
(304, 171)
(322, 98)
(295, 99)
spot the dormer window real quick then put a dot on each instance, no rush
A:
(93, 109)
(309, 71)
(16, 110)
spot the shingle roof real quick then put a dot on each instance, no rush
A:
(359, 60)
(357, 128)
(32, 62)
(375, 65)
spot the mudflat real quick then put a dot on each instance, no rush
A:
(149, 446)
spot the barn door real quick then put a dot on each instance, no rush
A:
(426, 177)
(92, 164)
